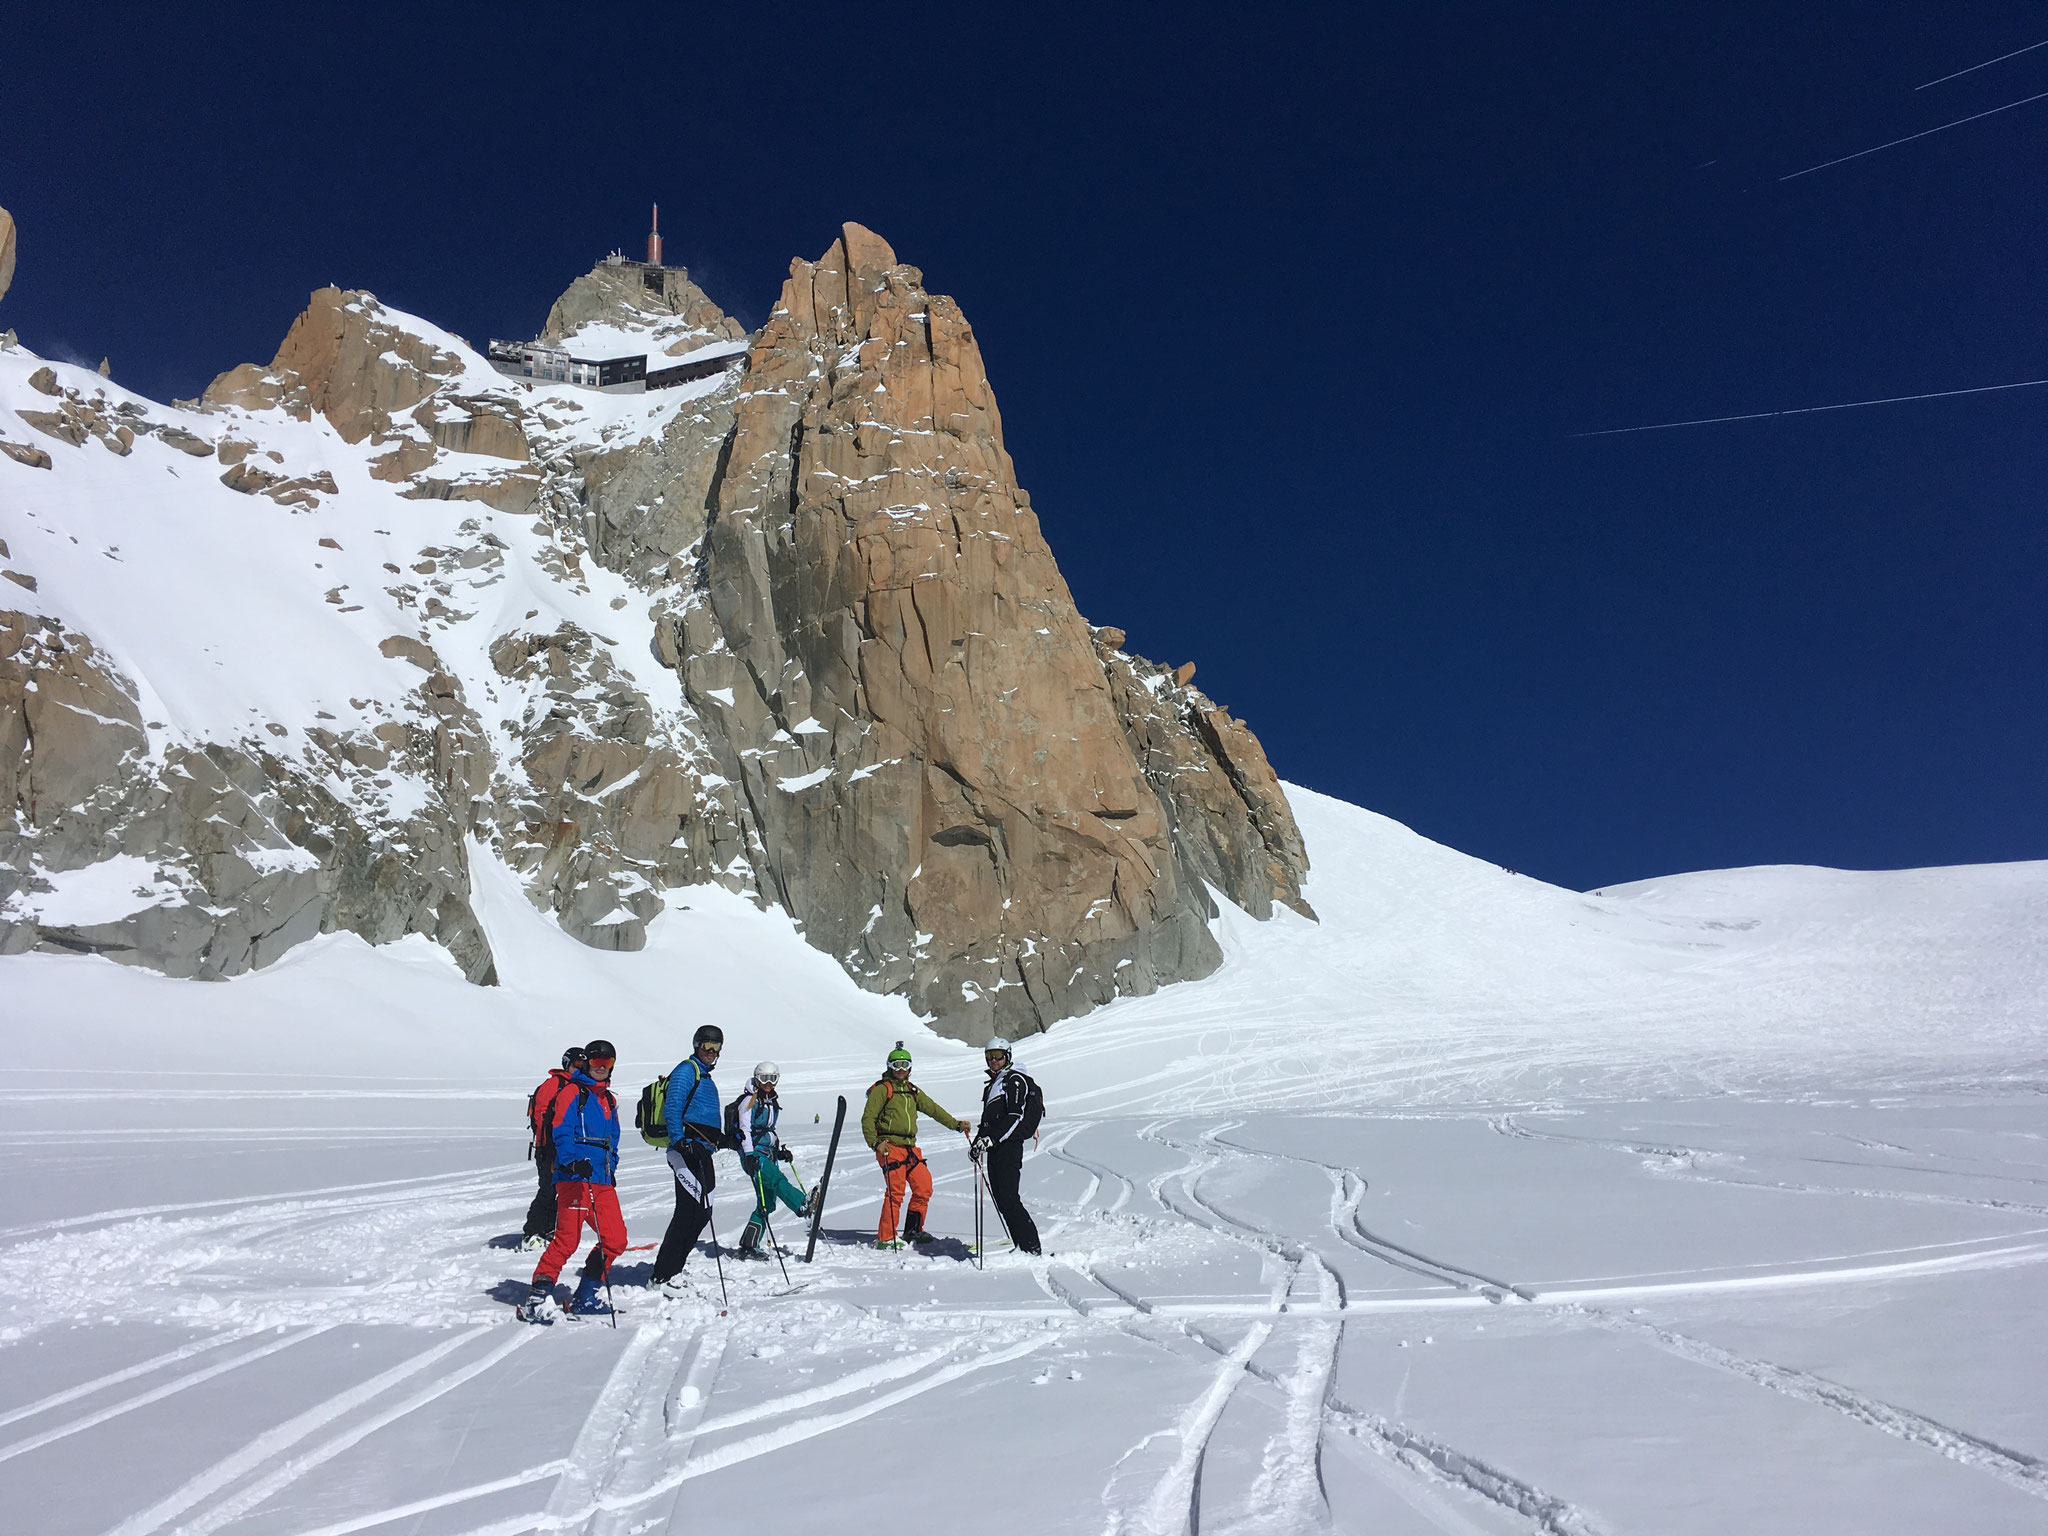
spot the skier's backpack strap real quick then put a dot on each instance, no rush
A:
(650, 1115)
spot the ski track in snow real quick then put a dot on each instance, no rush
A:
(2022, 1471)
(666, 1418)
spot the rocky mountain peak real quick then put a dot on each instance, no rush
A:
(675, 314)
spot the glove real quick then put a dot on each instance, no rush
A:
(784, 1155)
(751, 1163)
(580, 1169)
(980, 1145)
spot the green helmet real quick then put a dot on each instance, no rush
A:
(899, 1057)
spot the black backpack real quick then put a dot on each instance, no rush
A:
(1034, 1106)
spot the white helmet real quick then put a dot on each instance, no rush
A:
(998, 1043)
(767, 1072)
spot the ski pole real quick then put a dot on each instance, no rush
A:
(980, 1256)
(723, 1294)
(768, 1226)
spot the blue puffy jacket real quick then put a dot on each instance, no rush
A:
(692, 1098)
(585, 1130)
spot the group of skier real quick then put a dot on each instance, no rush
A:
(575, 1122)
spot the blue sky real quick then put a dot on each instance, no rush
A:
(1293, 315)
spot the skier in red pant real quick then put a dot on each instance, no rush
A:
(585, 1137)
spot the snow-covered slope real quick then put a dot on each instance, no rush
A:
(1432, 977)
(1435, 976)
(260, 1242)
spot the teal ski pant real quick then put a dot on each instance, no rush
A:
(771, 1185)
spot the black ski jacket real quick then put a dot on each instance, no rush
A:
(1002, 1105)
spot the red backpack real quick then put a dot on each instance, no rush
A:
(540, 1107)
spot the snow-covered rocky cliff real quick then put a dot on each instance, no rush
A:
(280, 662)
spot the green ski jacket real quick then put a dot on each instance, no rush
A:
(892, 1111)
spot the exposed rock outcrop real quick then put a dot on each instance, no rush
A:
(6, 251)
(1231, 824)
(241, 855)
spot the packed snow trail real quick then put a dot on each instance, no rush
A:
(1234, 1240)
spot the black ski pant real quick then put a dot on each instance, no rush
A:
(540, 1216)
(1005, 1164)
(690, 1162)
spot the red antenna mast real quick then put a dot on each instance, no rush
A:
(654, 239)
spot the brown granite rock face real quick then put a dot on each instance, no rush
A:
(1231, 823)
(887, 652)
(7, 243)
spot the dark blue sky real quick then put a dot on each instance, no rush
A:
(1292, 313)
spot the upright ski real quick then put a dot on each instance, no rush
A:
(824, 1184)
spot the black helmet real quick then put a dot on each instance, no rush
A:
(706, 1032)
(574, 1057)
(603, 1048)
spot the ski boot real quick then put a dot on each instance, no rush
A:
(913, 1229)
(539, 1306)
(676, 1287)
(809, 1207)
(586, 1302)
(889, 1244)
(750, 1243)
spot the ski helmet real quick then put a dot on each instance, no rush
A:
(998, 1046)
(707, 1034)
(574, 1057)
(899, 1058)
(600, 1049)
(767, 1072)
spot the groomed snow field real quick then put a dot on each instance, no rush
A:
(1713, 1205)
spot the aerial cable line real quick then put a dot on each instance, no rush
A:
(1808, 410)
(1909, 138)
(1985, 65)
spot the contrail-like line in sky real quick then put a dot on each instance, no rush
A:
(1985, 65)
(1909, 138)
(1808, 410)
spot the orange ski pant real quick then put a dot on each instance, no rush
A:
(901, 1167)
